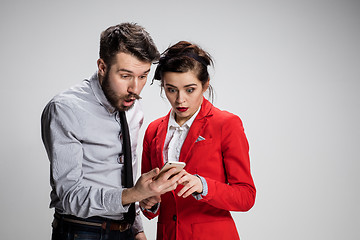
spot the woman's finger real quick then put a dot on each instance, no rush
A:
(183, 190)
(189, 192)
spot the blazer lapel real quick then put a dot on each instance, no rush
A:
(194, 132)
(196, 129)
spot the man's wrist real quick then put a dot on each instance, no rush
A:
(131, 195)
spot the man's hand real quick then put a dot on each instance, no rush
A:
(140, 236)
(147, 186)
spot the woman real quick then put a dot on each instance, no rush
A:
(211, 142)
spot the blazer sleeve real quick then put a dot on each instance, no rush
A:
(238, 192)
(146, 165)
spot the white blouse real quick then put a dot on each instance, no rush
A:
(176, 136)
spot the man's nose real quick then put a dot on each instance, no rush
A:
(134, 86)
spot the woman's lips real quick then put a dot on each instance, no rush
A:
(182, 109)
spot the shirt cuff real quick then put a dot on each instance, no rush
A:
(198, 196)
(113, 202)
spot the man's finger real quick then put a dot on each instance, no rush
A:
(151, 174)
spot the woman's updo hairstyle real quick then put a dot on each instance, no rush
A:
(184, 57)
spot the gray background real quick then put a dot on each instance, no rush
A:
(289, 69)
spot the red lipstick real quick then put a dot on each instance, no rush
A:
(182, 109)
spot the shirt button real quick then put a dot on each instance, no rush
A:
(120, 159)
(175, 218)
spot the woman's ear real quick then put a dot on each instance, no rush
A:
(206, 85)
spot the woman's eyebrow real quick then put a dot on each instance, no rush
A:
(170, 85)
(189, 85)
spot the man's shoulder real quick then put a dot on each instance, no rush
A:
(74, 96)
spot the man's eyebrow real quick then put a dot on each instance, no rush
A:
(129, 71)
(147, 71)
(124, 70)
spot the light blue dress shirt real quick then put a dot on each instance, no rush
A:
(81, 132)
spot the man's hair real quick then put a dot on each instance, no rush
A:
(128, 38)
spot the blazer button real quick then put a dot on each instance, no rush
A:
(175, 218)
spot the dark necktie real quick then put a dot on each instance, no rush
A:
(130, 215)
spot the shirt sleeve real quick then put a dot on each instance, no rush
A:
(198, 196)
(61, 134)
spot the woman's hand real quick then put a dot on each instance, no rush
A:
(191, 184)
(148, 203)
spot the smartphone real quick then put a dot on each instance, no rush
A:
(169, 164)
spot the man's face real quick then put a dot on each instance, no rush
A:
(123, 81)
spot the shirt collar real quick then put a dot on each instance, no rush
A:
(99, 93)
(187, 124)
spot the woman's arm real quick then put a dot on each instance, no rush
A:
(238, 193)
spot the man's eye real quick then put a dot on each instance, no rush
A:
(124, 76)
(143, 77)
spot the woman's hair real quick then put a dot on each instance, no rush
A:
(185, 57)
(127, 38)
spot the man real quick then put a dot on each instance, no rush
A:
(84, 132)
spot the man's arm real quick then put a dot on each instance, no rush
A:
(61, 133)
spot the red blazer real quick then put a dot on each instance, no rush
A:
(222, 159)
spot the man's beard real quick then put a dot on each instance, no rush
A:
(113, 98)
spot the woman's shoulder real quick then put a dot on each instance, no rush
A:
(217, 114)
(224, 115)
(158, 121)
(154, 125)
(226, 122)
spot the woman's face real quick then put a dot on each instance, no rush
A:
(185, 94)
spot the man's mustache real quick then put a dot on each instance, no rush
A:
(132, 95)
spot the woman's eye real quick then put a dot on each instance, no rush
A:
(171, 90)
(190, 90)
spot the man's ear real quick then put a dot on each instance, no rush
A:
(101, 67)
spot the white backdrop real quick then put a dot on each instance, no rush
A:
(289, 69)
